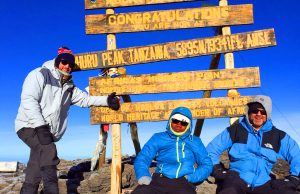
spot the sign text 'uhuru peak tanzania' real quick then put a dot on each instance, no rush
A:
(175, 50)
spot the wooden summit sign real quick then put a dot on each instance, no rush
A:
(175, 50)
(169, 19)
(89, 4)
(176, 82)
(160, 110)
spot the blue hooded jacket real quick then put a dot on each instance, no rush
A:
(253, 153)
(176, 155)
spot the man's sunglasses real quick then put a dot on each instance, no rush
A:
(262, 112)
(183, 123)
(65, 62)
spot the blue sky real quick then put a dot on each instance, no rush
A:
(31, 31)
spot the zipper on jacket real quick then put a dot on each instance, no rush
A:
(178, 159)
(161, 170)
(183, 154)
(257, 171)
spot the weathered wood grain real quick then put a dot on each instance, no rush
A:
(169, 19)
(175, 50)
(160, 110)
(176, 82)
(124, 3)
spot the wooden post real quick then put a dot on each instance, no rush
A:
(133, 126)
(116, 133)
(229, 60)
(102, 157)
(133, 130)
(115, 184)
(207, 94)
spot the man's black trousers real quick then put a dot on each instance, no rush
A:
(41, 165)
(233, 184)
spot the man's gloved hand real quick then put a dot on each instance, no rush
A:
(113, 101)
(145, 180)
(219, 172)
(290, 182)
(44, 135)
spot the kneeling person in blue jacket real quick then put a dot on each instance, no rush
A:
(253, 146)
(181, 158)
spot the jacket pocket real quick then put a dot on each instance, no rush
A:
(28, 136)
(44, 135)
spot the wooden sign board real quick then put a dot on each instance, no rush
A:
(160, 110)
(169, 19)
(175, 50)
(89, 4)
(176, 82)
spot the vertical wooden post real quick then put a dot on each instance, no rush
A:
(207, 94)
(116, 133)
(133, 130)
(102, 157)
(115, 184)
(229, 60)
(214, 64)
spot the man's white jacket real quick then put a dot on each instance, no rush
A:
(44, 100)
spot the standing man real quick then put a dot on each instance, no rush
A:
(254, 145)
(181, 158)
(47, 94)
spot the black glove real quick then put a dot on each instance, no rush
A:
(44, 135)
(219, 172)
(290, 182)
(113, 101)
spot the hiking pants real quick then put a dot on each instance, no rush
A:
(163, 185)
(41, 165)
(233, 184)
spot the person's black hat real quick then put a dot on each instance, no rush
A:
(254, 106)
(64, 53)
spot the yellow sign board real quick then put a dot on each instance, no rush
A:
(160, 110)
(175, 50)
(169, 19)
(90, 4)
(176, 82)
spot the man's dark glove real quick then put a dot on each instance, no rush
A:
(290, 182)
(219, 172)
(113, 101)
(44, 135)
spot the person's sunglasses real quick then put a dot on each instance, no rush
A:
(183, 123)
(65, 62)
(263, 112)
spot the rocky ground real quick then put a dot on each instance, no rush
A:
(75, 177)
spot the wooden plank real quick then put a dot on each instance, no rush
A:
(116, 162)
(160, 110)
(207, 94)
(176, 82)
(229, 59)
(110, 44)
(169, 19)
(8, 166)
(95, 4)
(175, 50)
(116, 172)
